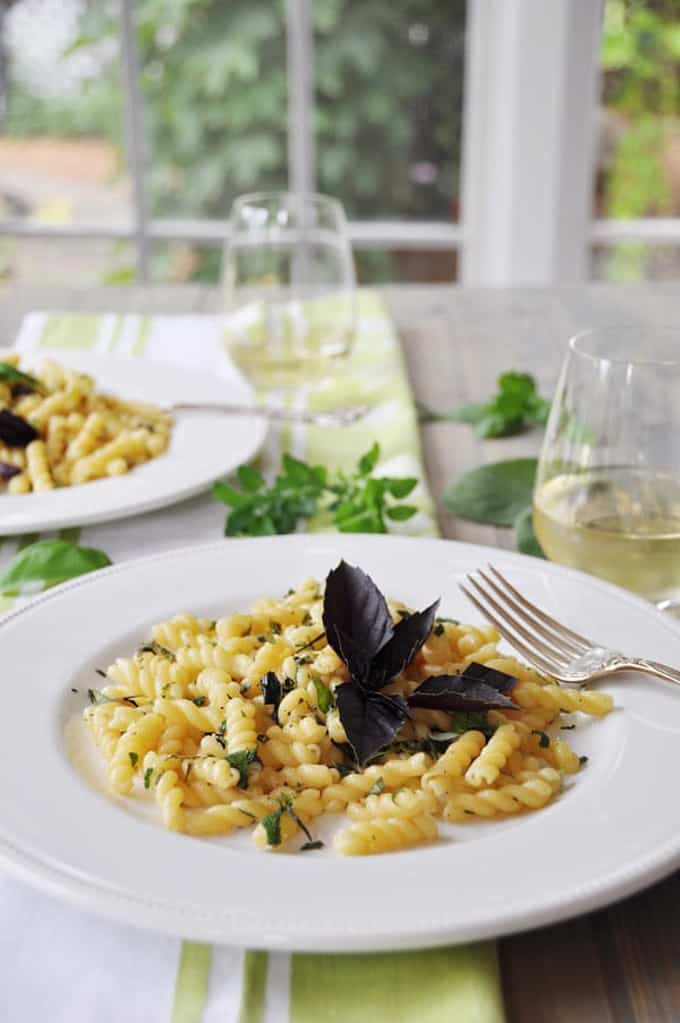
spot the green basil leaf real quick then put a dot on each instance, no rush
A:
(227, 495)
(48, 563)
(400, 487)
(369, 460)
(525, 538)
(401, 512)
(493, 494)
(249, 478)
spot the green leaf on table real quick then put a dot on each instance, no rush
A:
(48, 563)
(493, 494)
(525, 538)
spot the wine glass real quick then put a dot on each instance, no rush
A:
(607, 494)
(289, 285)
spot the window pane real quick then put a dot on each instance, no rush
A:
(60, 147)
(638, 159)
(214, 84)
(389, 85)
(635, 261)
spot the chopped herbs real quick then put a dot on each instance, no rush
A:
(98, 696)
(308, 846)
(134, 757)
(147, 777)
(467, 721)
(438, 629)
(583, 760)
(242, 760)
(323, 695)
(376, 789)
(566, 728)
(155, 648)
(73, 690)
(343, 770)
(272, 827)
(357, 501)
(200, 701)
(544, 738)
(305, 646)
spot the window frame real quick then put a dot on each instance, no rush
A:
(525, 206)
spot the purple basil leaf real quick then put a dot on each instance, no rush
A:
(456, 692)
(354, 656)
(15, 431)
(354, 607)
(408, 637)
(371, 720)
(7, 471)
(496, 679)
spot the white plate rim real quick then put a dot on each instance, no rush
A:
(429, 931)
(71, 505)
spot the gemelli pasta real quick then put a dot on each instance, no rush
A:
(56, 430)
(238, 724)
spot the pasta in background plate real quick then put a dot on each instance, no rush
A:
(74, 434)
(190, 721)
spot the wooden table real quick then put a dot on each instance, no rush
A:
(618, 965)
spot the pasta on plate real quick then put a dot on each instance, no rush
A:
(237, 723)
(56, 430)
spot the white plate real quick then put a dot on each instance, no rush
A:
(203, 446)
(615, 828)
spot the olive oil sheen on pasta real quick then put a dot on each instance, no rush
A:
(618, 523)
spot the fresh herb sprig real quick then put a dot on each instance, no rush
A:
(515, 407)
(360, 630)
(358, 502)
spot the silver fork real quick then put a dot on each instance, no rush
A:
(332, 417)
(546, 643)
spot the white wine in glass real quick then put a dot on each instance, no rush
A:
(607, 496)
(289, 285)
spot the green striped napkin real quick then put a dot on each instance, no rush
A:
(189, 982)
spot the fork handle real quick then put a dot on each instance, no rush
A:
(654, 668)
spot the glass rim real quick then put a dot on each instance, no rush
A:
(317, 198)
(613, 329)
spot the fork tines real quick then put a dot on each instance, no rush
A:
(540, 638)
